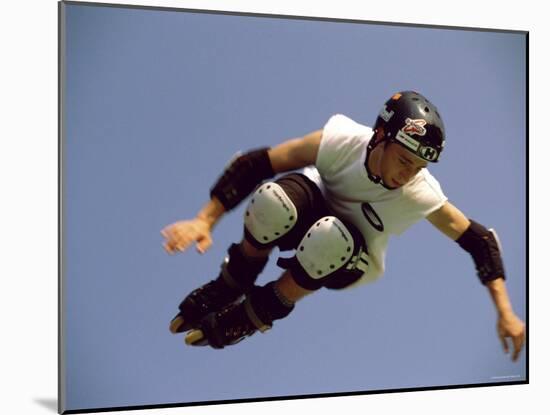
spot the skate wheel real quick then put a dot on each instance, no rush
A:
(176, 324)
(194, 337)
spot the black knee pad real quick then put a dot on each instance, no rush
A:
(279, 212)
(332, 254)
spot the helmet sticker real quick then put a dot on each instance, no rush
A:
(407, 141)
(396, 96)
(428, 153)
(415, 126)
(385, 114)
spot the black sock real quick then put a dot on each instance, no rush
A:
(269, 304)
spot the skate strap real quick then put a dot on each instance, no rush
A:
(254, 317)
(285, 263)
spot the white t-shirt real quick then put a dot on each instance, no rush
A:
(376, 211)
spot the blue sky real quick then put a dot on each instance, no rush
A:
(158, 101)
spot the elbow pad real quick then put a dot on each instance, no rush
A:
(483, 245)
(241, 177)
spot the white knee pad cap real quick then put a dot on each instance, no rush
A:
(327, 247)
(270, 213)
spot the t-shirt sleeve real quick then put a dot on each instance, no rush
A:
(421, 199)
(432, 198)
(340, 135)
(427, 196)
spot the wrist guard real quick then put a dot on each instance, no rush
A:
(241, 177)
(482, 244)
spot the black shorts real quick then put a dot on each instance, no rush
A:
(309, 203)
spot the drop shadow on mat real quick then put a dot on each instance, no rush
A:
(48, 403)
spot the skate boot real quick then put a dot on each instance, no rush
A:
(238, 321)
(237, 276)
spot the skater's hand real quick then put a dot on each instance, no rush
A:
(511, 326)
(180, 235)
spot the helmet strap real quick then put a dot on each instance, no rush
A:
(373, 143)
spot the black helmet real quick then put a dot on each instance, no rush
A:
(412, 121)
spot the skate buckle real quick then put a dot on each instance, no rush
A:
(259, 324)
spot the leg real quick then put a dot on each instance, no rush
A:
(278, 214)
(289, 289)
(251, 251)
(331, 254)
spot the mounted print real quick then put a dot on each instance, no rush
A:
(257, 207)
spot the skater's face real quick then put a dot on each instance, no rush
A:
(398, 166)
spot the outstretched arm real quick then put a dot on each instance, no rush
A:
(480, 243)
(236, 183)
